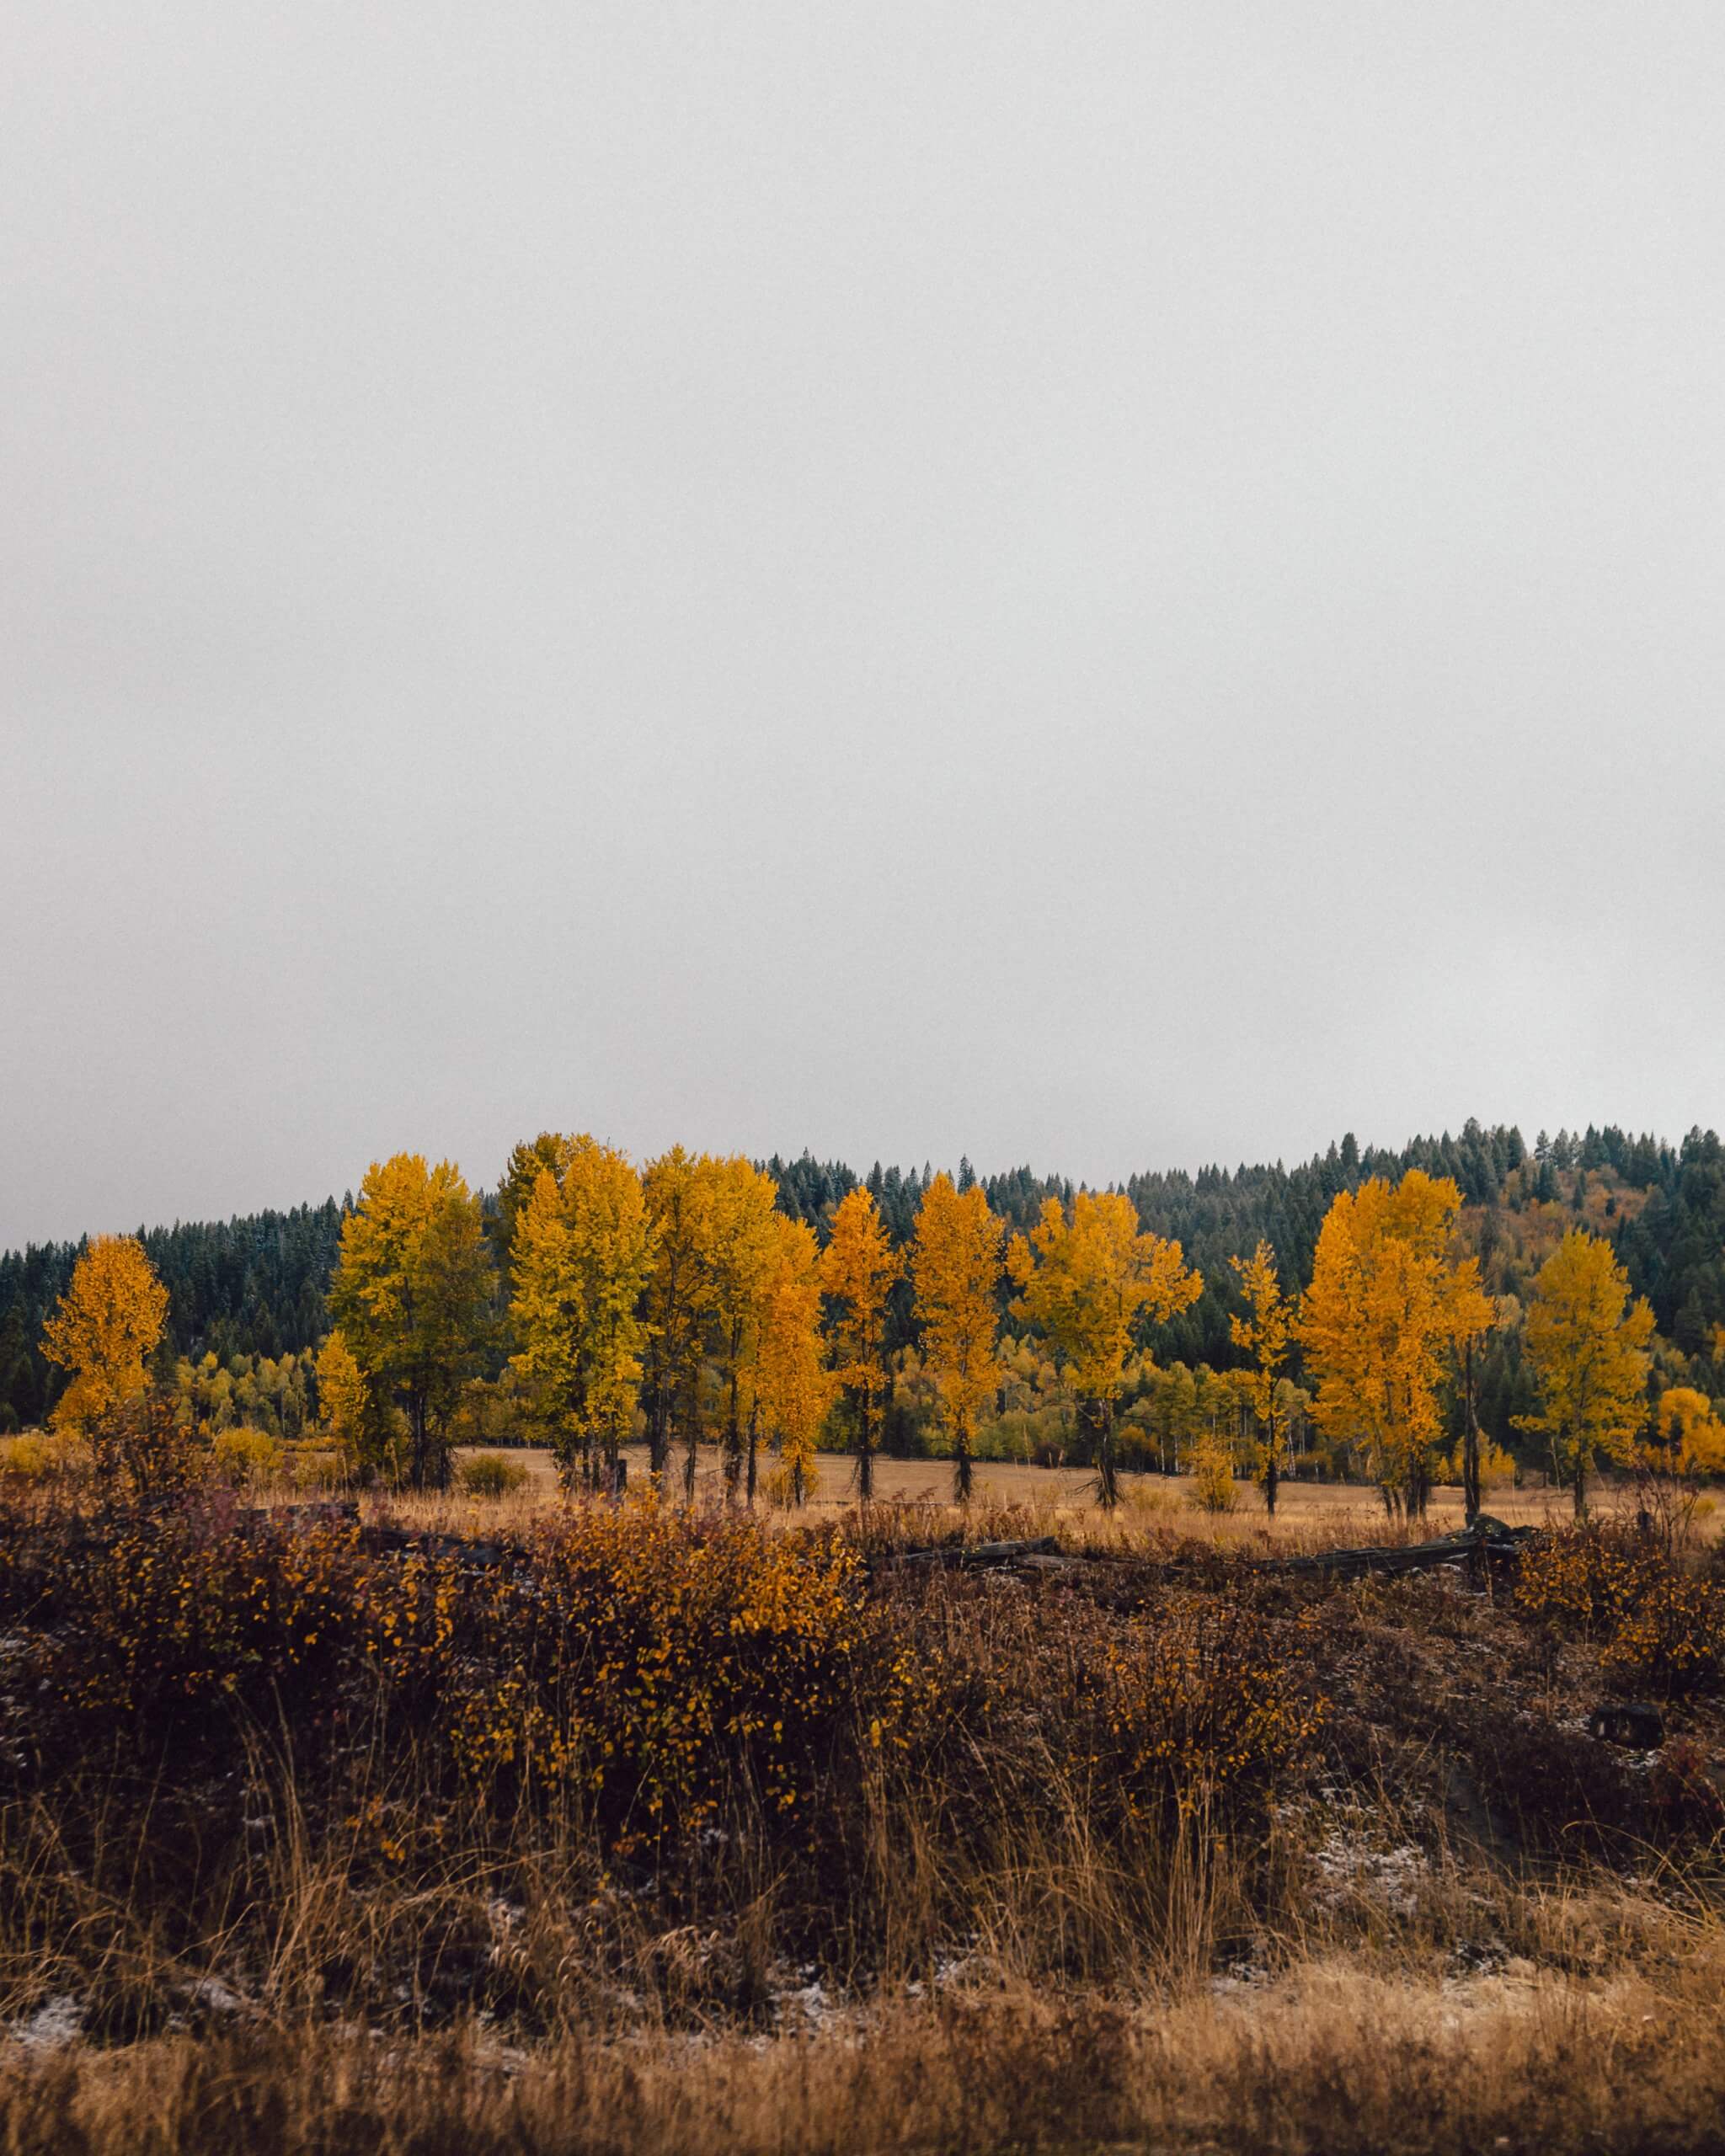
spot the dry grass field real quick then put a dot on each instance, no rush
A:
(1309, 1514)
(1335, 2058)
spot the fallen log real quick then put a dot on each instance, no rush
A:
(1488, 1544)
(1487, 1541)
(972, 1556)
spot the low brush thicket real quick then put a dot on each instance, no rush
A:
(1659, 1624)
(213, 1714)
(628, 1768)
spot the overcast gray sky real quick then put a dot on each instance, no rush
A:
(1112, 585)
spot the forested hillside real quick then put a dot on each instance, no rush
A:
(250, 1286)
(1663, 1206)
(255, 1286)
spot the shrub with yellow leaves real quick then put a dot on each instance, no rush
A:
(43, 1455)
(1660, 1625)
(1213, 1489)
(1201, 1709)
(671, 1666)
(245, 1457)
(490, 1475)
(661, 1668)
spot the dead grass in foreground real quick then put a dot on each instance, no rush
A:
(1329, 2059)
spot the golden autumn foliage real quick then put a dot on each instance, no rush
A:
(742, 1249)
(955, 1265)
(1212, 1462)
(247, 1459)
(106, 1328)
(790, 1387)
(858, 1269)
(1688, 1436)
(650, 1671)
(1089, 1280)
(581, 1254)
(549, 1152)
(1661, 1624)
(411, 1295)
(1588, 1346)
(343, 1401)
(1389, 1301)
(1264, 1334)
(678, 1188)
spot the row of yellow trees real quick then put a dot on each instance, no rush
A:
(650, 1290)
(678, 1296)
(1392, 1309)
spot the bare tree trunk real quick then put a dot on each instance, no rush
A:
(865, 1448)
(1108, 1479)
(733, 1421)
(428, 1458)
(961, 1463)
(1470, 1441)
(1272, 1470)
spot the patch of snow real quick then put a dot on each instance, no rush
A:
(806, 2006)
(58, 2022)
(1348, 1863)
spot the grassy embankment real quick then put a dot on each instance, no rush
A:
(630, 1830)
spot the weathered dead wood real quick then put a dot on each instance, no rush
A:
(972, 1556)
(1487, 1545)
(1486, 1542)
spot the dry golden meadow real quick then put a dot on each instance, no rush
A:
(1309, 1513)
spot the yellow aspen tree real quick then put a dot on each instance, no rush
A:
(107, 1326)
(1587, 1342)
(547, 1153)
(858, 1269)
(955, 1266)
(1388, 1299)
(412, 1294)
(610, 1240)
(791, 1388)
(742, 1244)
(678, 1188)
(583, 1250)
(1688, 1436)
(1088, 1279)
(545, 1316)
(343, 1401)
(1264, 1334)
